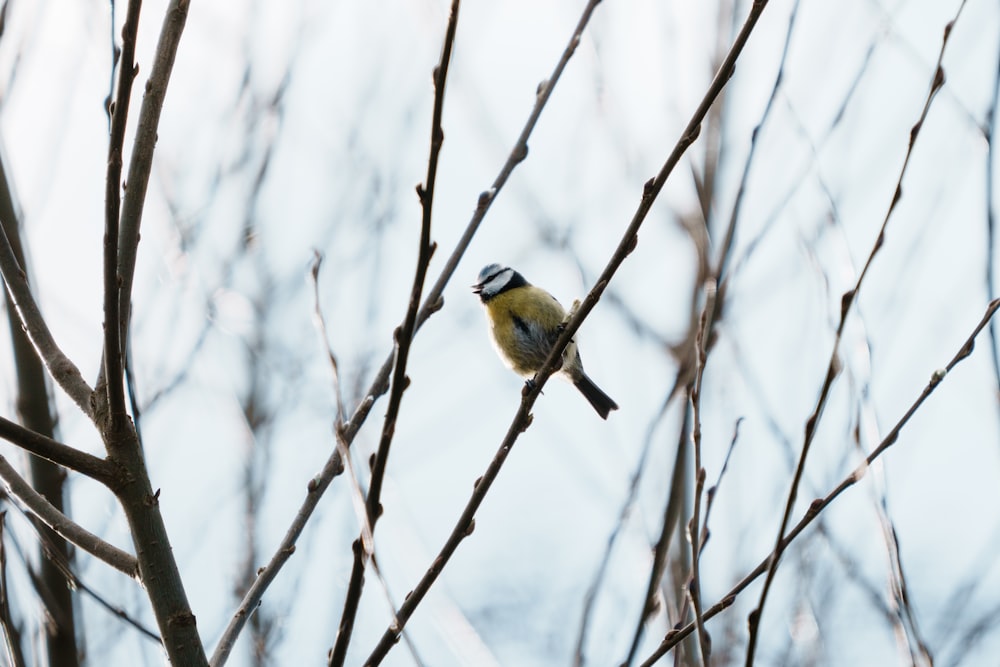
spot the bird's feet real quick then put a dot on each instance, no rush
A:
(529, 386)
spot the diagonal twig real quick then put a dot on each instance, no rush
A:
(379, 385)
(64, 526)
(63, 371)
(522, 419)
(847, 301)
(403, 337)
(820, 504)
(367, 541)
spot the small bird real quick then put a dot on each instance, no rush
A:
(525, 322)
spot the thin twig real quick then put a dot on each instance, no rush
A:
(11, 633)
(847, 301)
(379, 385)
(403, 338)
(820, 504)
(64, 526)
(989, 129)
(522, 419)
(694, 525)
(721, 271)
(63, 371)
(672, 507)
(357, 493)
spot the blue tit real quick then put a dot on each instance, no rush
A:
(525, 322)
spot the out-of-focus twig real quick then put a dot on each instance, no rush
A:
(989, 130)
(11, 633)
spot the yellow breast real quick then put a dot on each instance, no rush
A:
(524, 323)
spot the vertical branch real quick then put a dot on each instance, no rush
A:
(403, 337)
(157, 566)
(141, 161)
(118, 111)
(671, 514)
(11, 633)
(36, 414)
(694, 532)
(628, 242)
(432, 303)
(989, 133)
(847, 301)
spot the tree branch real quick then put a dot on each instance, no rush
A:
(141, 161)
(847, 301)
(817, 506)
(61, 524)
(63, 371)
(432, 303)
(58, 453)
(118, 110)
(522, 419)
(403, 338)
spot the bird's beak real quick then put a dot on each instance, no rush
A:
(477, 288)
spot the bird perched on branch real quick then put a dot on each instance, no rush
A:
(525, 322)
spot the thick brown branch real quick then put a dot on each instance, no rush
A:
(57, 452)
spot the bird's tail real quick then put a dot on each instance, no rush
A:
(597, 398)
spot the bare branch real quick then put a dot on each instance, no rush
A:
(11, 634)
(847, 301)
(694, 531)
(522, 419)
(141, 161)
(253, 596)
(403, 337)
(431, 304)
(671, 514)
(57, 452)
(61, 524)
(820, 504)
(63, 371)
(118, 110)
